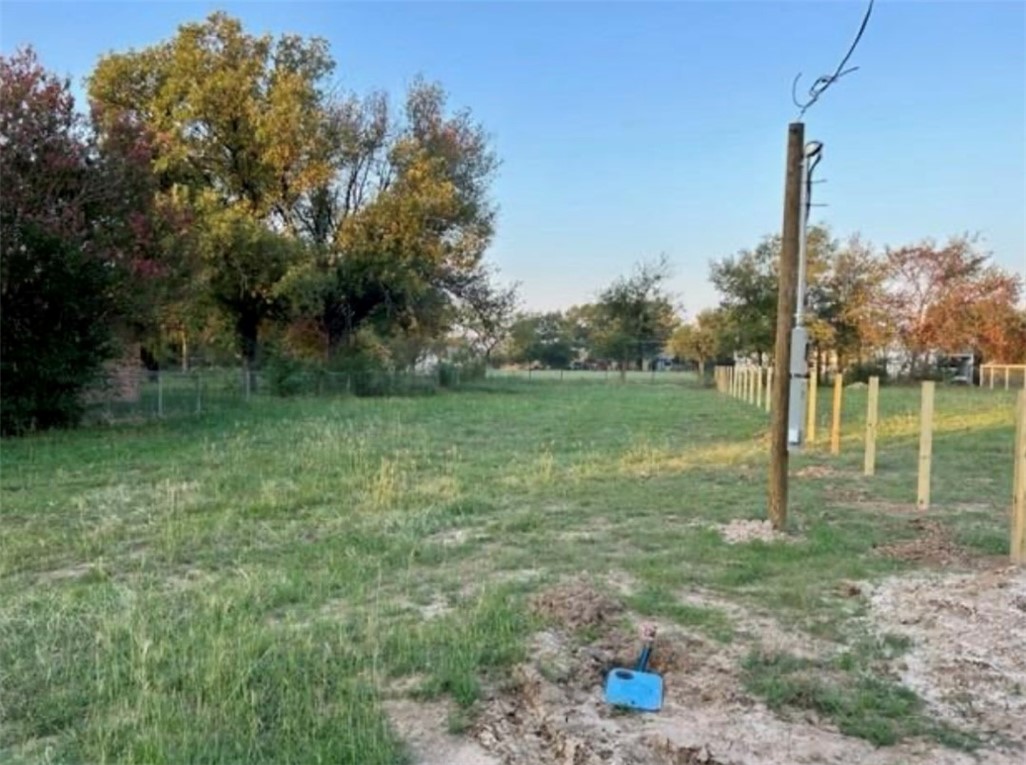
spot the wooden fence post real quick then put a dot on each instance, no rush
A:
(925, 446)
(992, 378)
(871, 419)
(758, 387)
(1018, 519)
(769, 387)
(750, 393)
(810, 413)
(835, 424)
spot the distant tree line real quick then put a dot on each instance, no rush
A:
(906, 305)
(630, 322)
(223, 197)
(865, 308)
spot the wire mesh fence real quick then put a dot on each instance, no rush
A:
(656, 376)
(139, 394)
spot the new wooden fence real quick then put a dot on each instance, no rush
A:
(747, 382)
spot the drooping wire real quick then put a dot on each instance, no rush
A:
(809, 182)
(821, 84)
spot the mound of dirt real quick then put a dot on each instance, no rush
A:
(933, 546)
(741, 531)
(967, 657)
(576, 605)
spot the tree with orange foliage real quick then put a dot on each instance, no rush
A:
(951, 298)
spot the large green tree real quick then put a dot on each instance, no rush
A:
(543, 338)
(239, 136)
(402, 226)
(636, 316)
(708, 336)
(851, 301)
(748, 286)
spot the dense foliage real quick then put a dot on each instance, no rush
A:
(82, 234)
(224, 200)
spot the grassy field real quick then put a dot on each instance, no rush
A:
(245, 587)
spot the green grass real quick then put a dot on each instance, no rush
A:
(248, 586)
(847, 692)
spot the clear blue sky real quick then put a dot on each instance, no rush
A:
(627, 130)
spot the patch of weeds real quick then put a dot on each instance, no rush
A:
(123, 677)
(458, 721)
(656, 601)
(455, 650)
(859, 702)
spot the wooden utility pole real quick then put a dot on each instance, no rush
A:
(786, 303)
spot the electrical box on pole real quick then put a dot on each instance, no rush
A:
(799, 387)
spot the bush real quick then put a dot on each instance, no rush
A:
(862, 372)
(286, 375)
(56, 332)
(452, 375)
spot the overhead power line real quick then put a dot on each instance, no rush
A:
(823, 83)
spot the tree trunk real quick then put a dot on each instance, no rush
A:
(246, 329)
(337, 324)
(701, 370)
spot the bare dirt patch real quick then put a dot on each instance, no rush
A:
(816, 471)
(459, 537)
(553, 713)
(933, 545)
(188, 577)
(740, 531)
(967, 657)
(757, 629)
(424, 728)
(67, 573)
(889, 508)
